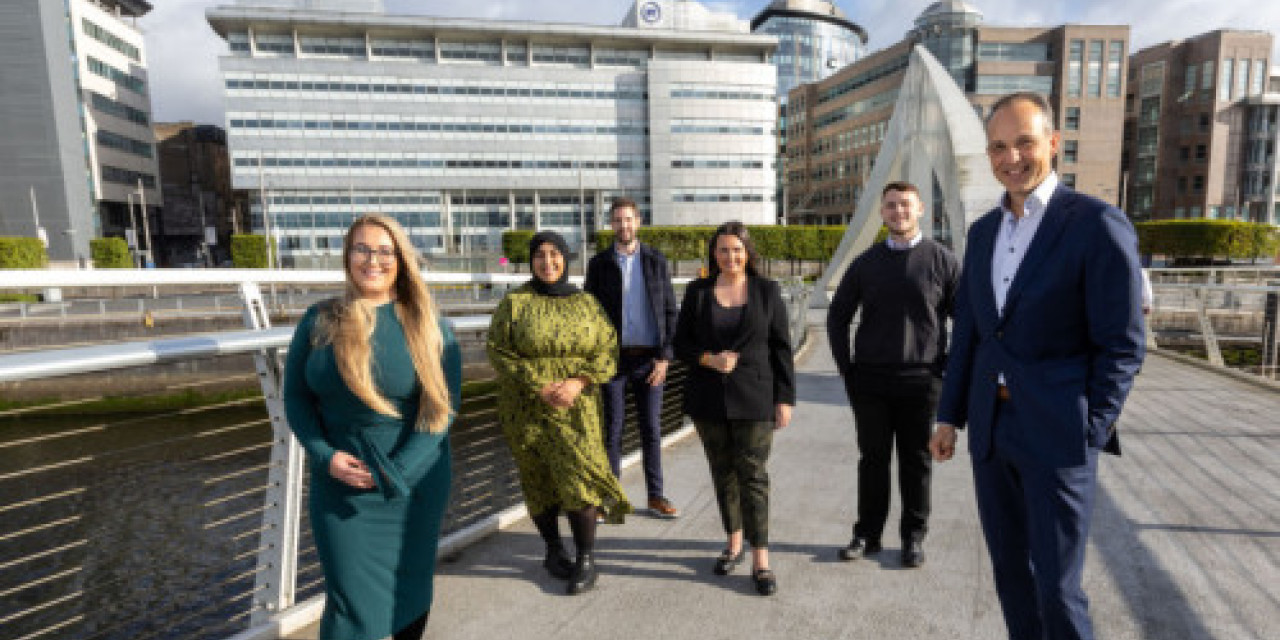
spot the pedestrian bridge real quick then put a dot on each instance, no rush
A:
(174, 524)
(1186, 542)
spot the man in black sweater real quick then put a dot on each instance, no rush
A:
(905, 288)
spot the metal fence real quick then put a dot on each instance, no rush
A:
(1226, 315)
(152, 518)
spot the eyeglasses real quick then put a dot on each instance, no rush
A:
(385, 256)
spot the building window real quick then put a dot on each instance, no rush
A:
(1095, 68)
(110, 39)
(1194, 212)
(124, 143)
(1075, 68)
(1202, 153)
(1013, 51)
(1224, 83)
(1242, 77)
(1115, 57)
(119, 109)
(127, 177)
(996, 85)
(1069, 180)
(1182, 186)
(1259, 77)
(1204, 123)
(1197, 186)
(1184, 153)
(1072, 122)
(1189, 81)
(136, 85)
(1206, 75)
(1070, 151)
(1179, 213)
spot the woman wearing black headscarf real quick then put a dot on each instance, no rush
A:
(551, 345)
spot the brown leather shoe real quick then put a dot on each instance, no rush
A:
(662, 508)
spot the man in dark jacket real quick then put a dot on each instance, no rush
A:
(633, 284)
(905, 288)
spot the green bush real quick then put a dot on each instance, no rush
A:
(249, 251)
(801, 242)
(22, 253)
(1183, 239)
(110, 253)
(515, 246)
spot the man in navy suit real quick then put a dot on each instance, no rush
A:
(1046, 340)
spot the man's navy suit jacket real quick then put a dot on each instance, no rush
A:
(1069, 340)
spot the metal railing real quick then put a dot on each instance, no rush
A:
(1226, 315)
(186, 521)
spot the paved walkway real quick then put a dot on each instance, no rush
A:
(1186, 542)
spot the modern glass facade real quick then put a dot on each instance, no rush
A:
(811, 49)
(949, 30)
(464, 129)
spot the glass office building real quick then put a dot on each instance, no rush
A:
(465, 128)
(815, 40)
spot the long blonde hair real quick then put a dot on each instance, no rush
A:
(350, 322)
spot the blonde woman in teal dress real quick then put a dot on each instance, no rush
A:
(372, 381)
(551, 346)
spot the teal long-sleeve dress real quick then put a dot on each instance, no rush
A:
(377, 547)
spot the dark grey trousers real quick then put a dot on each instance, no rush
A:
(738, 453)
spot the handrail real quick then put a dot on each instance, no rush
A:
(44, 279)
(60, 362)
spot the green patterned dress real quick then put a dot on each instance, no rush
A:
(377, 547)
(535, 340)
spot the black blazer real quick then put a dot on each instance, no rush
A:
(604, 281)
(765, 375)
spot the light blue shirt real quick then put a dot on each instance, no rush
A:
(1015, 237)
(903, 246)
(639, 329)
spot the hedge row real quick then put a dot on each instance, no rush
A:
(1207, 239)
(22, 253)
(110, 253)
(812, 243)
(249, 251)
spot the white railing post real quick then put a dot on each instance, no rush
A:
(1206, 328)
(277, 561)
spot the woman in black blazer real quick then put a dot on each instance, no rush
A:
(732, 332)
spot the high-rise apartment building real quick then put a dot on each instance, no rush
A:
(835, 125)
(1192, 130)
(464, 128)
(78, 146)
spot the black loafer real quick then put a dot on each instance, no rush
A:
(859, 547)
(766, 582)
(727, 562)
(912, 555)
(557, 563)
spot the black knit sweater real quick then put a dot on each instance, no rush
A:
(905, 297)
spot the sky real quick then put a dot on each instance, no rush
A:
(183, 51)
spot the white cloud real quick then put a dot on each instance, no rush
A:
(183, 50)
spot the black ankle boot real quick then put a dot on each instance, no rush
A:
(557, 562)
(584, 574)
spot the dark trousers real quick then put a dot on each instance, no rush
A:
(883, 421)
(738, 453)
(1035, 519)
(632, 372)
